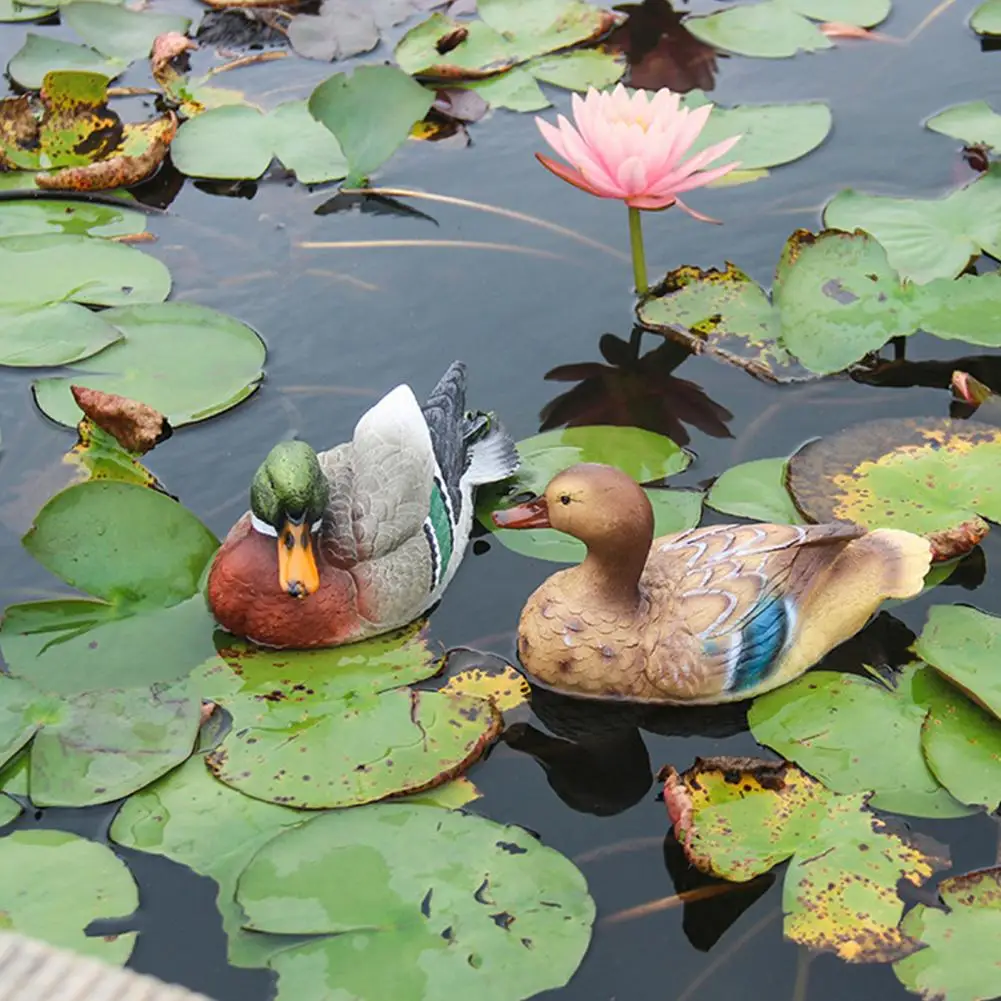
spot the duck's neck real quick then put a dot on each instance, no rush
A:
(610, 574)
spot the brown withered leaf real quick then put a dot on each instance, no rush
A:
(134, 425)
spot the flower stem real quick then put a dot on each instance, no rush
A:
(639, 257)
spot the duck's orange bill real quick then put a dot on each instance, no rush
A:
(531, 514)
(298, 573)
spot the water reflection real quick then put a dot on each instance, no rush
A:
(661, 51)
(634, 390)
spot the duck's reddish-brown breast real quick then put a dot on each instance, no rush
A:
(245, 598)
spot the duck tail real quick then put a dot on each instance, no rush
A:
(491, 454)
(904, 559)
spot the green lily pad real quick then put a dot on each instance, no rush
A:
(240, 142)
(961, 741)
(974, 122)
(516, 90)
(962, 644)
(959, 958)
(932, 476)
(40, 216)
(187, 361)
(535, 27)
(190, 818)
(13, 10)
(41, 54)
(578, 70)
(855, 735)
(755, 490)
(642, 454)
(50, 267)
(10, 809)
(118, 32)
(37, 867)
(98, 746)
(739, 817)
(245, 671)
(57, 334)
(74, 645)
(490, 914)
(986, 19)
(771, 134)
(927, 238)
(96, 536)
(834, 300)
(314, 752)
(776, 29)
(370, 114)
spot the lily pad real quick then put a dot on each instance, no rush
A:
(41, 54)
(239, 141)
(116, 30)
(855, 735)
(958, 960)
(35, 215)
(14, 10)
(54, 267)
(927, 238)
(962, 644)
(97, 534)
(189, 817)
(739, 817)
(98, 746)
(318, 753)
(57, 334)
(771, 134)
(961, 741)
(644, 455)
(187, 361)
(755, 490)
(505, 688)
(776, 29)
(10, 809)
(490, 914)
(36, 867)
(834, 300)
(932, 476)
(370, 114)
(986, 19)
(974, 122)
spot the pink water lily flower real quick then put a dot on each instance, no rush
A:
(633, 147)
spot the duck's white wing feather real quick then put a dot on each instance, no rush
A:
(381, 482)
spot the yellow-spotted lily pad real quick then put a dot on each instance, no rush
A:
(75, 139)
(739, 817)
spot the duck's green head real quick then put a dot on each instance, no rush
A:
(288, 496)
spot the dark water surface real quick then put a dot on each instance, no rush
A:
(345, 325)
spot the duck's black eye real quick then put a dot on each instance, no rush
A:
(564, 498)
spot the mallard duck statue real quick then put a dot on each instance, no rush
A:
(702, 617)
(365, 537)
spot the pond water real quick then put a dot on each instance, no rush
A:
(345, 325)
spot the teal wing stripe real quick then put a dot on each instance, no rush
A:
(441, 527)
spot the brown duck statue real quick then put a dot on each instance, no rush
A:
(701, 617)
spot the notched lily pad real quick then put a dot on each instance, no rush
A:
(36, 869)
(856, 735)
(933, 476)
(958, 960)
(76, 138)
(755, 490)
(489, 914)
(738, 817)
(505, 687)
(324, 753)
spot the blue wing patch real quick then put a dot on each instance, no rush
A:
(755, 648)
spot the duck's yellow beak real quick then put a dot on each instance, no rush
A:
(532, 514)
(298, 573)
